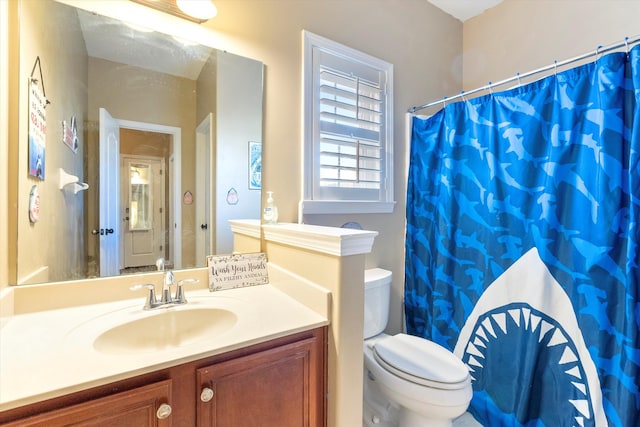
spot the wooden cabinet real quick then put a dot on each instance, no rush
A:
(277, 383)
(273, 388)
(147, 406)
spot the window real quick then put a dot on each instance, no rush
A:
(348, 132)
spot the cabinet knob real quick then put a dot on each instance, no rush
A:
(163, 411)
(206, 395)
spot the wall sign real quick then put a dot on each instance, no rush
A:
(37, 130)
(236, 271)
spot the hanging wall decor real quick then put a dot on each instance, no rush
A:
(255, 165)
(70, 134)
(34, 204)
(187, 198)
(37, 131)
(232, 196)
(37, 124)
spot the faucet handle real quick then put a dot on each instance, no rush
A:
(168, 282)
(151, 296)
(168, 278)
(180, 298)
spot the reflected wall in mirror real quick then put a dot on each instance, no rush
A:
(179, 114)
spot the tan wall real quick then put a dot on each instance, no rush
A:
(343, 277)
(422, 42)
(523, 35)
(401, 32)
(239, 112)
(56, 242)
(4, 144)
(206, 88)
(425, 46)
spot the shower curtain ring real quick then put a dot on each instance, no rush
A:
(462, 96)
(444, 102)
(598, 52)
(555, 67)
(626, 45)
(518, 77)
(490, 88)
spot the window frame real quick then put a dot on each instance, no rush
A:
(311, 203)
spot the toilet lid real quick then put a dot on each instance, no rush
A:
(421, 361)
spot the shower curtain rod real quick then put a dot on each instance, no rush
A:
(599, 50)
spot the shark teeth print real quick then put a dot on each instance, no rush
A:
(525, 353)
(542, 331)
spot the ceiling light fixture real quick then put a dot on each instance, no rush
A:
(202, 9)
(198, 11)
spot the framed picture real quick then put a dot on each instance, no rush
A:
(255, 165)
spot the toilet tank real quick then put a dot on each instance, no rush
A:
(377, 288)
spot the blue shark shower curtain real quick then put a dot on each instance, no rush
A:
(522, 245)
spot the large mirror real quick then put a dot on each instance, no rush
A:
(147, 145)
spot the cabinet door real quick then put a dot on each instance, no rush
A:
(139, 407)
(274, 388)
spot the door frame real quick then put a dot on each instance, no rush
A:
(204, 200)
(109, 195)
(175, 182)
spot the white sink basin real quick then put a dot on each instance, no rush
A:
(166, 329)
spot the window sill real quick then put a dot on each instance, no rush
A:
(344, 207)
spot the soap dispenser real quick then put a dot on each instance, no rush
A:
(270, 212)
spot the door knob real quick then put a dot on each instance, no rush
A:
(206, 395)
(102, 231)
(163, 411)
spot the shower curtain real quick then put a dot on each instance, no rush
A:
(522, 245)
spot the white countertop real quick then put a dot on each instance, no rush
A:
(44, 354)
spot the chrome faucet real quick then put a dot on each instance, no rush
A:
(166, 299)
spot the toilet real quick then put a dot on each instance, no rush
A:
(408, 381)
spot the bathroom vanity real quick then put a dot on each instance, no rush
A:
(293, 345)
(276, 383)
(253, 356)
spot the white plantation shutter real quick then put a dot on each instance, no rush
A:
(348, 131)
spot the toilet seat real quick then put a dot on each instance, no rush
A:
(421, 362)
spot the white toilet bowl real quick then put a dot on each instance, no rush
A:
(409, 381)
(401, 395)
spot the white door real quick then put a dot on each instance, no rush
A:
(205, 223)
(109, 195)
(142, 197)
